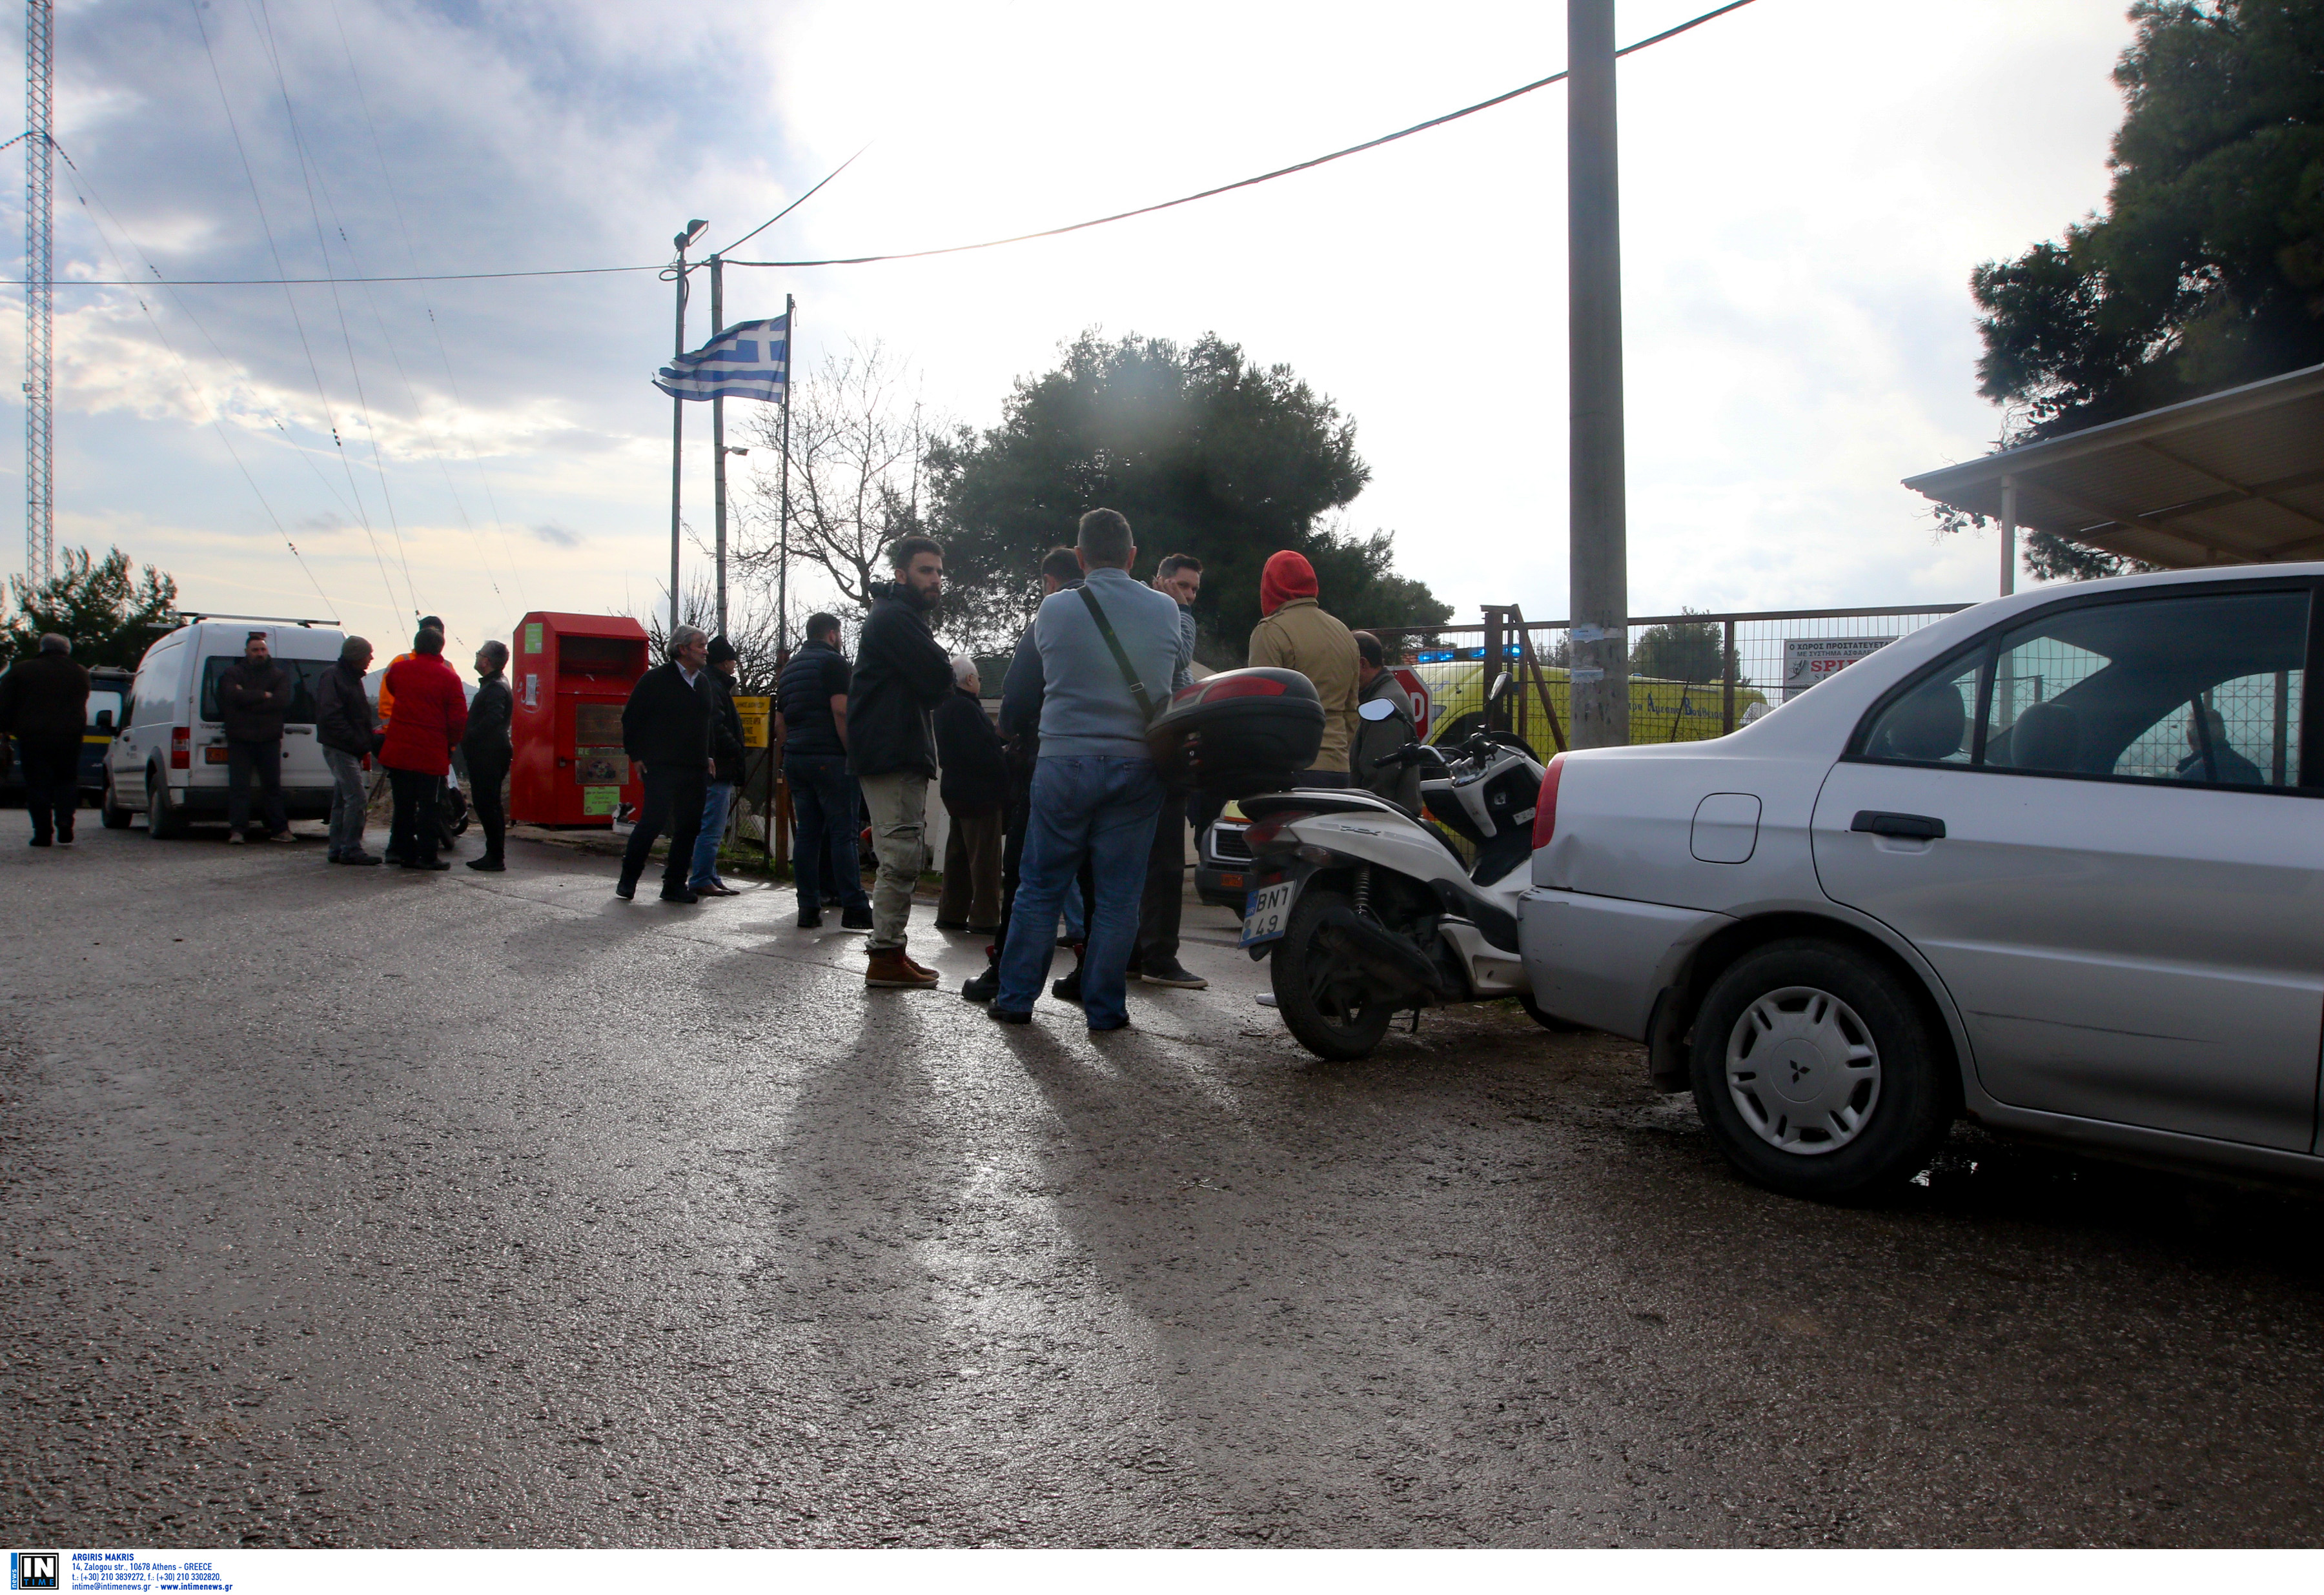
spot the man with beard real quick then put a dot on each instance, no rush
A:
(901, 674)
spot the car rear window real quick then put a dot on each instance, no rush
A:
(306, 677)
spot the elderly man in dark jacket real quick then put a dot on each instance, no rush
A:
(348, 732)
(665, 732)
(44, 706)
(254, 698)
(901, 674)
(485, 747)
(975, 791)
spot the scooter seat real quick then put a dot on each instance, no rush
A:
(1319, 800)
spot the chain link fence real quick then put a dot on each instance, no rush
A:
(1692, 677)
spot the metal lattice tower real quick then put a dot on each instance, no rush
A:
(40, 73)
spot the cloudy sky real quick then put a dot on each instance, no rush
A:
(1806, 185)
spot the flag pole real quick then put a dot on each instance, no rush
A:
(718, 433)
(783, 538)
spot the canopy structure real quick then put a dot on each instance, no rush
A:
(2233, 478)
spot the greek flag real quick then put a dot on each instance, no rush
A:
(749, 360)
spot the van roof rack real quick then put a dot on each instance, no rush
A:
(187, 617)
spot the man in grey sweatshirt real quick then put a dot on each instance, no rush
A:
(1095, 791)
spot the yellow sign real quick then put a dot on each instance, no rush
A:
(532, 637)
(603, 800)
(756, 713)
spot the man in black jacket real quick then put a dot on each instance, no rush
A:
(813, 689)
(717, 685)
(254, 698)
(665, 732)
(44, 706)
(348, 732)
(901, 674)
(484, 748)
(975, 792)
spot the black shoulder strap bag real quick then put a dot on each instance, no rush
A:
(1121, 654)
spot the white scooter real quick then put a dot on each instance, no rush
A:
(1368, 911)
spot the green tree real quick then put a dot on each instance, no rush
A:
(1206, 453)
(111, 616)
(1682, 651)
(2206, 269)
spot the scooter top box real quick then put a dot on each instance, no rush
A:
(1240, 731)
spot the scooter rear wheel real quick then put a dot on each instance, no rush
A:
(1329, 1005)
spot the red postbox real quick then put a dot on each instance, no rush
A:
(571, 675)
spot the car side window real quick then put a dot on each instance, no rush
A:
(1930, 724)
(2205, 689)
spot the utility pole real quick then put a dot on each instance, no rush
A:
(678, 421)
(1597, 546)
(40, 166)
(718, 433)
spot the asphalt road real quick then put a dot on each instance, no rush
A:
(360, 1207)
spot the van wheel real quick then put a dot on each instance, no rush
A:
(164, 820)
(1816, 1073)
(109, 811)
(1327, 1003)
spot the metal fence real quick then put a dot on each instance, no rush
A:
(1693, 677)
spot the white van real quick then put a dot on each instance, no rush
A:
(167, 759)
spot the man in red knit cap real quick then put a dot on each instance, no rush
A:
(1297, 635)
(431, 713)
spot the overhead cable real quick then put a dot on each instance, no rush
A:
(863, 260)
(251, 177)
(85, 191)
(1264, 177)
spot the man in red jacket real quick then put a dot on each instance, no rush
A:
(431, 713)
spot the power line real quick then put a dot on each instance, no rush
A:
(863, 260)
(79, 182)
(403, 230)
(1264, 177)
(266, 20)
(794, 205)
(291, 299)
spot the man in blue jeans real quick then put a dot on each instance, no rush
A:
(812, 692)
(1110, 650)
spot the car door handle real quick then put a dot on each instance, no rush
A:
(1921, 826)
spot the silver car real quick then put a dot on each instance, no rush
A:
(2049, 862)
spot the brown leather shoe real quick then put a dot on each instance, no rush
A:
(891, 968)
(929, 977)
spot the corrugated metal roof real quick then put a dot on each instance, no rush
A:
(2234, 479)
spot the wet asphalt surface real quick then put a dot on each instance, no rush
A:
(354, 1207)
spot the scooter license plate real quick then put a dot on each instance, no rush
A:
(1267, 911)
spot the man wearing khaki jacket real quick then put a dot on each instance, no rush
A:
(1297, 635)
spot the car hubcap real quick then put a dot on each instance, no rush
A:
(1803, 1070)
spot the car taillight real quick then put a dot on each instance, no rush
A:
(1544, 808)
(1269, 832)
(181, 748)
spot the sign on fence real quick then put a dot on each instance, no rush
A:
(755, 712)
(1809, 660)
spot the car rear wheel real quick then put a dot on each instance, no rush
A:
(1327, 1002)
(1817, 1072)
(109, 811)
(164, 820)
